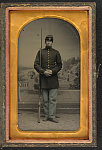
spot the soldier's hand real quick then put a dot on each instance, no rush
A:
(48, 73)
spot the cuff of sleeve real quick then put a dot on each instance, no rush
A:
(53, 71)
(42, 71)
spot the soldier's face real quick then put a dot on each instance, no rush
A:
(48, 43)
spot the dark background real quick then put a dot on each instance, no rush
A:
(99, 80)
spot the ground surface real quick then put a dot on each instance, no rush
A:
(27, 120)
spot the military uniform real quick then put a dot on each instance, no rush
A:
(50, 59)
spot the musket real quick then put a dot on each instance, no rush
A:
(40, 96)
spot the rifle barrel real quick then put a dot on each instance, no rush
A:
(39, 104)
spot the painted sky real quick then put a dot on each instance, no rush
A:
(66, 40)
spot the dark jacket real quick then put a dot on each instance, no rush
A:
(50, 59)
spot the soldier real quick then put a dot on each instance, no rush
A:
(51, 64)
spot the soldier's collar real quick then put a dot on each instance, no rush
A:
(48, 47)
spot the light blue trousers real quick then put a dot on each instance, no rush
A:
(49, 97)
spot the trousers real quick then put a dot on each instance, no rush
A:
(49, 98)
